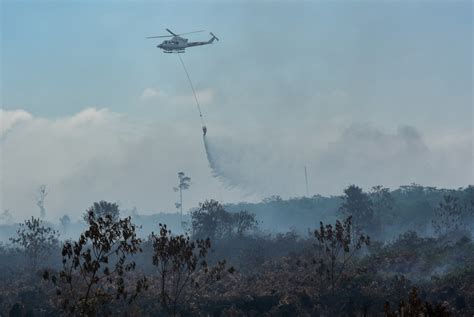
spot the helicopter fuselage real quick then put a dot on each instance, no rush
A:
(178, 44)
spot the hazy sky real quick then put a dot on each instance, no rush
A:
(359, 92)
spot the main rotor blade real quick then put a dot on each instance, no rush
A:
(191, 32)
(171, 32)
(155, 37)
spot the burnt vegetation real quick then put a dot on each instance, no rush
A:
(403, 252)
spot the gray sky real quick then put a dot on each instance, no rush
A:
(359, 92)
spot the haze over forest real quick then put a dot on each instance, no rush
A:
(359, 93)
(316, 160)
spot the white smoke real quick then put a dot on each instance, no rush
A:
(8, 119)
(98, 154)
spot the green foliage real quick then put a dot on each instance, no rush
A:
(410, 207)
(184, 181)
(102, 209)
(243, 222)
(358, 205)
(213, 221)
(383, 205)
(450, 214)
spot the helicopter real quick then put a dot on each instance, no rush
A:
(178, 44)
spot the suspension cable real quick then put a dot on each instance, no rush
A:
(192, 87)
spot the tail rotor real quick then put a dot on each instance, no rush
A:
(213, 36)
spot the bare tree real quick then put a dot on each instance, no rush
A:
(182, 267)
(337, 249)
(42, 193)
(94, 266)
(36, 240)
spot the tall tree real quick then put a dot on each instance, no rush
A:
(212, 221)
(184, 183)
(42, 193)
(383, 205)
(451, 215)
(65, 222)
(103, 209)
(243, 221)
(358, 205)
